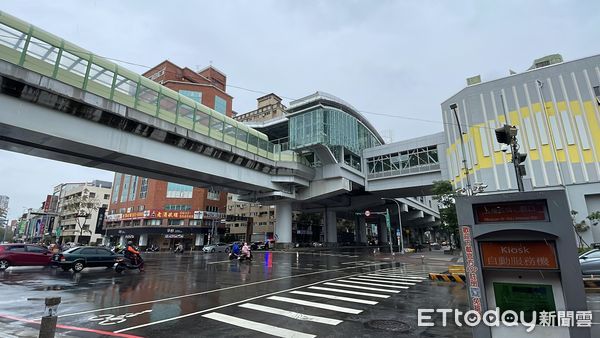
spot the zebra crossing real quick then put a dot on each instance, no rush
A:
(302, 311)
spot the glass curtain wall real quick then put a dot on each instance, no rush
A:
(338, 130)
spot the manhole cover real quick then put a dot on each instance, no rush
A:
(388, 325)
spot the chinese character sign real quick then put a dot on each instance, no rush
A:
(519, 255)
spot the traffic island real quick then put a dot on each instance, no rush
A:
(455, 273)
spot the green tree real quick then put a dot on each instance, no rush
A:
(444, 193)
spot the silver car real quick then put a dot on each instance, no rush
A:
(217, 247)
(590, 262)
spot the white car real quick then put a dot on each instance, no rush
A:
(217, 247)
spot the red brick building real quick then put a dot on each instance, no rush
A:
(207, 86)
(153, 212)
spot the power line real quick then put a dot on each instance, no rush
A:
(239, 87)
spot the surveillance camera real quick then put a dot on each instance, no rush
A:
(504, 148)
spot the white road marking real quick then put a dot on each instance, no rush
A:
(360, 287)
(291, 314)
(366, 279)
(406, 279)
(399, 276)
(256, 326)
(374, 284)
(318, 305)
(227, 261)
(345, 299)
(349, 292)
(217, 290)
(242, 301)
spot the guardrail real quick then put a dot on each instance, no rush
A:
(32, 48)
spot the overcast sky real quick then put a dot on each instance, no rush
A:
(399, 58)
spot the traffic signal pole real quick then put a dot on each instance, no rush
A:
(515, 159)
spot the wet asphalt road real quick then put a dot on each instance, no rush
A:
(327, 294)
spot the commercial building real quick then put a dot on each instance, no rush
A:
(556, 108)
(3, 206)
(78, 207)
(263, 219)
(207, 86)
(155, 212)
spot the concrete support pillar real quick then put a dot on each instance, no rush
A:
(199, 241)
(382, 232)
(331, 228)
(283, 225)
(143, 242)
(360, 235)
(122, 240)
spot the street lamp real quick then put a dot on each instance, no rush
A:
(453, 107)
(401, 239)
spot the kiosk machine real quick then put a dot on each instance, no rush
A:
(521, 261)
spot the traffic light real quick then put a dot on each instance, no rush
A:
(520, 158)
(506, 133)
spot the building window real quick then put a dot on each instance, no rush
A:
(220, 105)
(195, 222)
(175, 222)
(106, 196)
(144, 188)
(122, 211)
(153, 222)
(92, 195)
(213, 194)
(175, 190)
(178, 207)
(212, 208)
(196, 96)
(140, 208)
(134, 182)
(125, 189)
(115, 193)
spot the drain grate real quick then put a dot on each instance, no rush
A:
(388, 325)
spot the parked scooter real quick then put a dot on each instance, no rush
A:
(123, 263)
(153, 248)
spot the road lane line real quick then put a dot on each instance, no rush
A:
(73, 328)
(227, 261)
(345, 299)
(291, 314)
(374, 284)
(360, 287)
(399, 276)
(349, 292)
(256, 326)
(223, 289)
(241, 301)
(380, 281)
(317, 305)
(407, 279)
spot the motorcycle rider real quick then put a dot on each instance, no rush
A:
(131, 253)
(245, 251)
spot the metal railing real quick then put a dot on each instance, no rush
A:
(32, 48)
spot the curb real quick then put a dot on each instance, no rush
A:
(447, 277)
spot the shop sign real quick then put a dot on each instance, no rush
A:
(471, 269)
(208, 215)
(519, 255)
(114, 217)
(157, 214)
(521, 211)
(174, 236)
